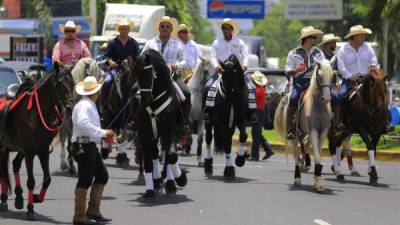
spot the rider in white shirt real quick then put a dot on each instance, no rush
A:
(191, 50)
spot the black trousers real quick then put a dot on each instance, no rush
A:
(90, 165)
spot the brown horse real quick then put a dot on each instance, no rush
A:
(364, 112)
(31, 127)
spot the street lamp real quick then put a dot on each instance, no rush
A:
(3, 12)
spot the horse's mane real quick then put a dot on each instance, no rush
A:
(377, 92)
(237, 69)
(78, 72)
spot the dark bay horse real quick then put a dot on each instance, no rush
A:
(230, 111)
(364, 112)
(157, 117)
(31, 127)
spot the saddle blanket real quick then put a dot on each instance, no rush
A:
(212, 93)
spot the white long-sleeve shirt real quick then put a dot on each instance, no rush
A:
(299, 56)
(86, 121)
(192, 53)
(352, 62)
(172, 54)
(222, 49)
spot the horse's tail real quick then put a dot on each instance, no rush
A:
(280, 118)
(4, 158)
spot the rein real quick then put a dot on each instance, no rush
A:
(35, 94)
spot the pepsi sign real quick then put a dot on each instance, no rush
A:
(236, 9)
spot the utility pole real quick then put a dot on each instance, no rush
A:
(93, 16)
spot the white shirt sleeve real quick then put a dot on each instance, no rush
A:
(84, 123)
(214, 54)
(199, 53)
(244, 50)
(146, 46)
(289, 63)
(181, 64)
(373, 60)
(341, 63)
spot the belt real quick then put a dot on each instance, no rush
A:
(82, 140)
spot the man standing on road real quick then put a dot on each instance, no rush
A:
(86, 133)
(299, 65)
(69, 50)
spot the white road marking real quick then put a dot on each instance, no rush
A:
(321, 222)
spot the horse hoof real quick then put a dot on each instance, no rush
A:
(200, 164)
(208, 168)
(72, 170)
(63, 165)
(340, 178)
(170, 187)
(355, 174)
(140, 177)
(304, 169)
(297, 182)
(157, 183)
(3, 207)
(104, 153)
(319, 189)
(240, 160)
(373, 181)
(149, 194)
(229, 173)
(30, 216)
(182, 180)
(19, 202)
(125, 164)
(37, 199)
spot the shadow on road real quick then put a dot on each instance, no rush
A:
(20, 215)
(365, 183)
(310, 188)
(161, 199)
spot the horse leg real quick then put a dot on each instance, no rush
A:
(296, 154)
(349, 156)
(19, 198)
(30, 214)
(241, 156)
(369, 143)
(200, 162)
(122, 157)
(44, 162)
(229, 171)
(63, 162)
(372, 154)
(208, 159)
(157, 177)
(4, 179)
(148, 167)
(314, 139)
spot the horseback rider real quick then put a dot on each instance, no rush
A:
(69, 50)
(171, 50)
(191, 50)
(355, 59)
(222, 48)
(328, 47)
(118, 50)
(85, 134)
(299, 65)
(103, 50)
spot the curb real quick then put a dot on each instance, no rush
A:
(384, 155)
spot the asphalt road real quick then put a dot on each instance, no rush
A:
(262, 194)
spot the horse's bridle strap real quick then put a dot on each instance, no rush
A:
(154, 114)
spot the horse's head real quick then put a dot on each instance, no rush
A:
(322, 80)
(232, 76)
(375, 88)
(62, 86)
(204, 70)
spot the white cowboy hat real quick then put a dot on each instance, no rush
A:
(183, 26)
(309, 31)
(124, 23)
(328, 38)
(172, 21)
(70, 24)
(259, 78)
(231, 22)
(88, 86)
(358, 29)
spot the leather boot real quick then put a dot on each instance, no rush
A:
(338, 127)
(290, 123)
(80, 208)
(93, 211)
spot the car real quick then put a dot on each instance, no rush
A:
(26, 69)
(8, 76)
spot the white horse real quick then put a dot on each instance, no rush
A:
(204, 70)
(314, 119)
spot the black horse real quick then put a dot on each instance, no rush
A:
(364, 112)
(157, 117)
(230, 111)
(31, 127)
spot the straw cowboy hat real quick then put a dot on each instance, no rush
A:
(259, 78)
(124, 23)
(231, 22)
(309, 31)
(358, 29)
(183, 26)
(70, 24)
(328, 38)
(88, 86)
(170, 20)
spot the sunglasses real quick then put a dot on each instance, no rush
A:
(69, 31)
(183, 31)
(226, 28)
(165, 26)
(314, 37)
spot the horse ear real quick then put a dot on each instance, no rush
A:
(202, 59)
(221, 63)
